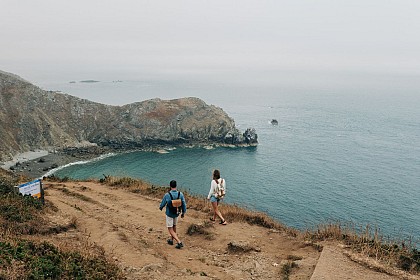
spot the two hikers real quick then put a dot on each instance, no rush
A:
(174, 201)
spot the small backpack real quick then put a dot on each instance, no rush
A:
(175, 204)
(220, 191)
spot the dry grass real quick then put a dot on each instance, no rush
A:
(286, 269)
(232, 213)
(76, 195)
(293, 258)
(24, 252)
(369, 242)
(72, 224)
(201, 229)
(21, 215)
(366, 241)
(237, 247)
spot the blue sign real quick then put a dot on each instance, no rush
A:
(32, 188)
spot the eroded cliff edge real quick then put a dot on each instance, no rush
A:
(32, 118)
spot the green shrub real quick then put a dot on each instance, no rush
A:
(19, 209)
(6, 183)
(45, 261)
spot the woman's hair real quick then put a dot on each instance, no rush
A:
(216, 174)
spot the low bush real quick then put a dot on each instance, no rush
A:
(7, 181)
(202, 229)
(18, 214)
(286, 270)
(45, 261)
(24, 259)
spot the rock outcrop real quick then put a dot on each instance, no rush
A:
(32, 118)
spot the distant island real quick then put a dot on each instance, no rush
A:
(93, 81)
(89, 81)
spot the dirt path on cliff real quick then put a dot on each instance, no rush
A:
(132, 231)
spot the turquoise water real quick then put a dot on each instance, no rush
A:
(336, 155)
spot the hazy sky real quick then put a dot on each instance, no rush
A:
(48, 39)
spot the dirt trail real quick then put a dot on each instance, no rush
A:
(132, 231)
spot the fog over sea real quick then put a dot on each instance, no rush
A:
(344, 152)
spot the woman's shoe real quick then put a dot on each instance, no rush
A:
(212, 219)
(223, 222)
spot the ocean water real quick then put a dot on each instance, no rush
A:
(337, 154)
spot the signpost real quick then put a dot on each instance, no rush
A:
(33, 188)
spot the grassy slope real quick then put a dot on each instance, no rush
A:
(23, 256)
(391, 254)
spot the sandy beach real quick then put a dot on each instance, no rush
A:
(35, 164)
(24, 157)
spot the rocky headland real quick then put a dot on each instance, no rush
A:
(35, 119)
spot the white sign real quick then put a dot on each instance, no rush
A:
(32, 188)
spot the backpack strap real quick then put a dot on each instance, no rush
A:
(172, 198)
(217, 182)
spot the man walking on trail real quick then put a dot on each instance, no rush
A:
(175, 203)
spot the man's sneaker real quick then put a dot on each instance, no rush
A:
(170, 241)
(179, 245)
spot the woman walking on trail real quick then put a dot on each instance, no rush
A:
(215, 195)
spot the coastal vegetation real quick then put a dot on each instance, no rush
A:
(388, 253)
(27, 251)
(233, 213)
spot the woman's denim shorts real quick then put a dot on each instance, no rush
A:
(214, 199)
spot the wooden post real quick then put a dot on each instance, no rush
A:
(42, 193)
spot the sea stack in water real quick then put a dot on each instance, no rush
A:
(248, 138)
(274, 122)
(32, 118)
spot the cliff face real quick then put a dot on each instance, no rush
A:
(31, 118)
